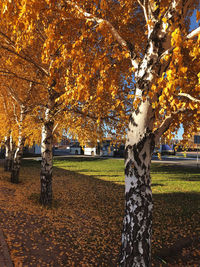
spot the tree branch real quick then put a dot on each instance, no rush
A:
(194, 33)
(166, 123)
(189, 97)
(140, 3)
(13, 95)
(15, 115)
(145, 7)
(10, 73)
(26, 58)
(55, 127)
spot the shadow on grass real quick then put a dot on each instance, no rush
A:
(170, 168)
(79, 159)
(154, 184)
(177, 172)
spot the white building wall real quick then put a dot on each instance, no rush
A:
(90, 151)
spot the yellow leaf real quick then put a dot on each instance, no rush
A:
(127, 55)
(164, 20)
(191, 106)
(184, 69)
(198, 15)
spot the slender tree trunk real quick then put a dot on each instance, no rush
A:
(13, 148)
(17, 161)
(19, 151)
(47, 161)
(9, 153)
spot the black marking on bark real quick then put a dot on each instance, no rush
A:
(136, 173)
(141, 143)
(143, 188)
(144, 166)
(132, 121)
(144, 83)
(136, 155)
(129, 195)
(150, 63)
(129, 168)
(144, 155)
(149, 198)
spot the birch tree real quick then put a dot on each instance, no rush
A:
(17, 104)
(27, 51)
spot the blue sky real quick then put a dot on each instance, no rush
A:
(193, 24)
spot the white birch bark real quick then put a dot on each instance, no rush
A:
(16, 165)
(136, 235)
(47, 159)
(9, 153)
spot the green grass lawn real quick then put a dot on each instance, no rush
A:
(165, 178)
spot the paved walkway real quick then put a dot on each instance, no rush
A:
(5, 260)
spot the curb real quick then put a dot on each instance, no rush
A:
(5, 259)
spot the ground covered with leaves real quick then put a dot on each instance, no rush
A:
(83, 228)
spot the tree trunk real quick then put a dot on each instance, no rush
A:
(19, 151)
(17, 161)
(137, 225)
(9, 153)
(7, 150)
(47, 161)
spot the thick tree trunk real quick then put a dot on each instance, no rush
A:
(16, 165)
(47, 161)
(137, 225)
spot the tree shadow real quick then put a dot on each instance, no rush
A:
(170, 168)
(79, 158)
(176, 226)
(156, 184)
(177, 172)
